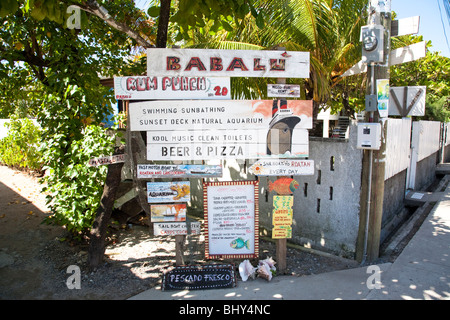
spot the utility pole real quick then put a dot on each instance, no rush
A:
(376, 39)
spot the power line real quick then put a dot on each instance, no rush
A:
(447, 9)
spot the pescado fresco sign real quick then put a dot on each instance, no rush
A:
(169, 88)
(228, 63)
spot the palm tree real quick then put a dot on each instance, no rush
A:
(328, 29)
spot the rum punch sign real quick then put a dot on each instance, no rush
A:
(227, 63)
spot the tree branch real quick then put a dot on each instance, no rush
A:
(94, 8)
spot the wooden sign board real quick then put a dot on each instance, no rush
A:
(282, 167)
(231, 219)
(147, 171)
(199, 277)
(283, 90)
(215, 115)
(407, 101)
(95, 162)
(176, 228)
(226, 144)
(227, 63)
(282, 213)
(282, 232)
(169, 88)
(174, 191)
(406, 26)
(168, 212)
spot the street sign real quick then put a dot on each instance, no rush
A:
(147, 171)
(283, 90)
(282, 167)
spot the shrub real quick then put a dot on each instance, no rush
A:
(20, 148)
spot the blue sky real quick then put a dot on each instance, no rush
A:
(430, 26)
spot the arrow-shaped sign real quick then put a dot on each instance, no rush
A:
(401, 55)
(405, 26)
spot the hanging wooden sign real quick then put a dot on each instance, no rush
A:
(231, 219)
(170, 88)
(227, 63)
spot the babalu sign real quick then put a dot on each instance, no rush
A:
(227, 63)
(165, 88)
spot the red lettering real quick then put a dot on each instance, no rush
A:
(257, 65)
(131, 84)
(166, 83)
(173, 63)
(216, 64)
(195, 62)
(140, 84)
(277, 64)
(237, 63)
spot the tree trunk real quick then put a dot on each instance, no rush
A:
(100, 225)
(164, 16)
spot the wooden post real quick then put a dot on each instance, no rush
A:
(179, 248)
(281, 243)
(374, 161)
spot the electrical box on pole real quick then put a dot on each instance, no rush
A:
(372, 38)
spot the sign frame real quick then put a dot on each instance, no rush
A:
(215, 242)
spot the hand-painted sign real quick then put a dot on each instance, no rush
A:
(199, 277)
(222, 114)
(226, 144)
(169, 88)
(227, 63)
(283, 186)
(285, 167)
(407, 101)
(168, 212)
(176, 228)
(175, 191)
(231, 219)
(282, 216)
(282, 232)
(191, 130)
(283, 90)
(146, 171)
(282, 210)
(383, 97)
(95, 162)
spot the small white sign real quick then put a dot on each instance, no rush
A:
(407, 101)
(95, 162)
(175, 228)
(283, 90)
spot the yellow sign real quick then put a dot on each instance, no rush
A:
(282, 232)
(282, 217)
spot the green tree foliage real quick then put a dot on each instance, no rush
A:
(21, 147)
(60, 69)
(433, 71)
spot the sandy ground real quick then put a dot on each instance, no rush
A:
(35, 258)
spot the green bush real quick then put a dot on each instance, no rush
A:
(74, 188)
(20, 148)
